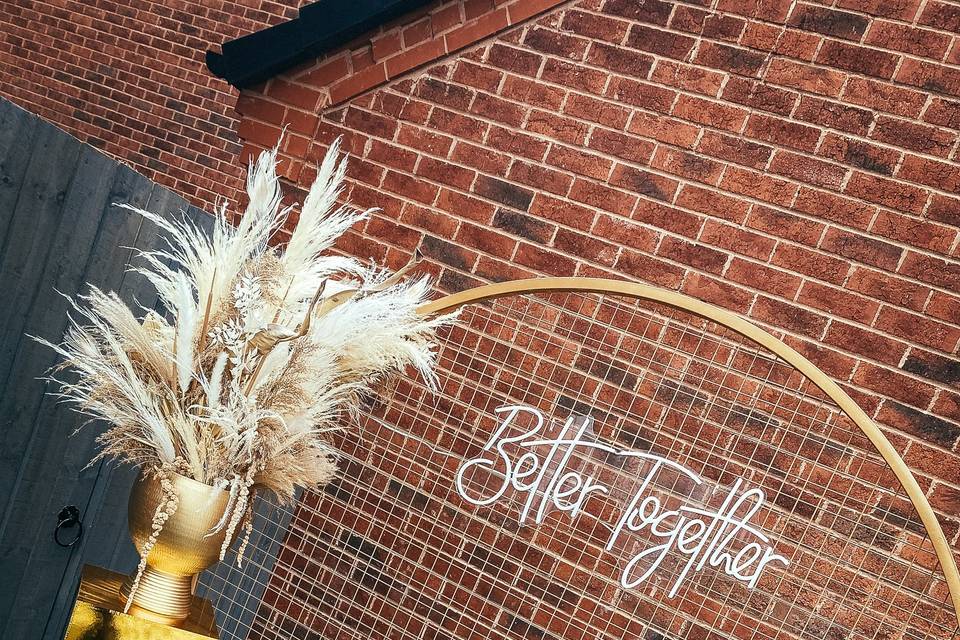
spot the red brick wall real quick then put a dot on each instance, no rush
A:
(789, 161)
(793, 162)
(129, 78)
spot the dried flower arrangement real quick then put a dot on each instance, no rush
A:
(263, 354)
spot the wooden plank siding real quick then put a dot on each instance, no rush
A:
(59, 230)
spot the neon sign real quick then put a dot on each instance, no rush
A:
(701, 536)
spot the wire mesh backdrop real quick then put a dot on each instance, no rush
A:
(595, 466)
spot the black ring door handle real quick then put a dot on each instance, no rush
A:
(68, 518)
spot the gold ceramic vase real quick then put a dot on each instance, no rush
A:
(185, 547)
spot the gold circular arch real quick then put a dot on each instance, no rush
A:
(748, 330)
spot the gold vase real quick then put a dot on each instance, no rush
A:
(185, 547)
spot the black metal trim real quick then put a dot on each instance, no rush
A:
(320, 27)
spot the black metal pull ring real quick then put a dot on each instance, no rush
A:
(68, 517)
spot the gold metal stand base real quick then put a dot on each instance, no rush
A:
(98, 614)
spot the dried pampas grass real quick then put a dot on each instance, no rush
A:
(263, 350)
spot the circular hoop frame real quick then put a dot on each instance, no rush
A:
(748, 330)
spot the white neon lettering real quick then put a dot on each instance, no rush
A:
(703, 536)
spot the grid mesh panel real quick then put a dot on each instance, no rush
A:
(674, 419)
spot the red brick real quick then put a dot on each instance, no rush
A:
(782, 132)
(480, 158)
(357, 83)
(687, 165)
(477, 76)
(945, 113)
(687, 77)
(644, 182)
(466, 206)
(668, 218)
(806, 169)
(625, 232)
(858, 59)
(935, 271)
(861, 248)
(515, 60)
(671, 131)
(836, 301)
(596, 27)
(763, 277)
(575, 161)
(888, 288)
(259, 108)
(804, 77)
(886, 192)
(300, 96)
(476, 30)
(734, 149)
(585, 246)
(573, 76)
(531, 92)
(759, 95)
(757, 185)
(865, 342)
(650, 11)
(786, 225)
(328, 72)
(859, 154)
(620, 59)
(817, 265)
(834, 115)
(733, 59)
(566, 213)
(540, 177)
(717, 292)
(929, 76)
(409, 187)
(917, 328)
(516, 143)
(498, 110)
(943, 306)
(433, 143)
(621, 145)
(606, 113)
(602, 197)
(897, 9)
(664, 43)
(709, 113)
(944, 209)
(693, 254)
(650, 269)
(893, 384)
(445, 173)
(917, 137)
(485, 241)
(834, 208)
(555, 43)
(788, 316)
(913, 231)
(457, 125)
(642, 94)
(941, 15)
(544, 261)
(712, 203)
(940, 175)
(829, 22)
(556, 127)
(900, 37)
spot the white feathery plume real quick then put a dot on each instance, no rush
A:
(240, 386)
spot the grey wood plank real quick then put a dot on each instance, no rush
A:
(18, 130)
(36, 215)
(108, 486)
(41, 491)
